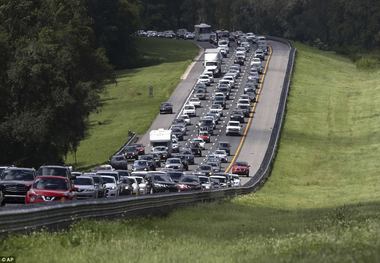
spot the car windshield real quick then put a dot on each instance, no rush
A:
(220, 152)
(53, 171)
(233, 124)
(123, 173)
(174, 161)
(189, 179)
(119, 158)
(203, 179)
(96, 179)
(220, 179)
(83, 181)
(161, 178)
(209, 63)
(189, 107)
(108, 180)
(51, 184)
(224, 145)
(130, 149)
(140, 162)
(205, 167)
(139, 180)
(175, 176)
(18, 175)
(241, 163)
(159, 149)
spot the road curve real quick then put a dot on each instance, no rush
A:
(258, 136)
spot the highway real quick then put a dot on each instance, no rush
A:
(257, 138)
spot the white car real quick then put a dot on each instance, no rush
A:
(189, 110)
(222, 155)
(242, 101)
(256, 62)
(186, 118)
(241, 54)
(236, 180)
(231, 79)
(217, 108)
(140, 185)
(224, 82)
(195, 101)
(233, 127)
(210, 74)
(204, 79)
(111, 186)
(201, 142)
(240, 49)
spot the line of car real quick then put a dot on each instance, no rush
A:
(160, 170)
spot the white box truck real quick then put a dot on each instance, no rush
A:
(213, 60)
(161, 137)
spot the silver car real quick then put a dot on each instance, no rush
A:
(85, 187)
(111, 186)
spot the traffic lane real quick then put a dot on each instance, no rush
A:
(258, 136)
(178, 98)
(220, 134)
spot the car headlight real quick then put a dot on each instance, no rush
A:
(113, 187)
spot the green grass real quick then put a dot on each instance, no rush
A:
(127, 105)
(321, 204)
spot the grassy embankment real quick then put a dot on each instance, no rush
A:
(321, 204)
(127, 105)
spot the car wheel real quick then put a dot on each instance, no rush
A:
(2, 201)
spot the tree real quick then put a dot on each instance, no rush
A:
(51, 77)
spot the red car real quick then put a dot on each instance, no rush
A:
(49, 189)
(205, 136)
(241, 168)
(140, 148)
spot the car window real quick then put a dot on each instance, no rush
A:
(51, 184)
(83, 181)
(18, 175)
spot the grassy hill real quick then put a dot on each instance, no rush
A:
(126, 105)
(321, 204)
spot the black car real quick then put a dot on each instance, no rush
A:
(225, 146)
(119, 162)
(174, 175)
(188, 155)
(160, 183)
(15, 183)
(153, 158)
(239, 60)
(237, 115)
(189, 183)
(131, 152)
(177, 131)
(205, 169)
(126, 187)
(166, 107)
(196, 148)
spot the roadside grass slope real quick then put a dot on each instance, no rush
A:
(321, 204)
(126, 105)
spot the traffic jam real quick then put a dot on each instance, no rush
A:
(196, 153)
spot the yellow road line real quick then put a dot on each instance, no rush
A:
(253, 109)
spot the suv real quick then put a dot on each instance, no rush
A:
(119, 162)
(166, 107)
(54, 170)
(131, 152)
(15, 183)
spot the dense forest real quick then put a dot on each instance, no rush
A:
(56, 55)
(332, 23)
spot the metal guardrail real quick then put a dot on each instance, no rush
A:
(58, 215)
(132, 138)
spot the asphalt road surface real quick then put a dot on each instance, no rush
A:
(258, 135)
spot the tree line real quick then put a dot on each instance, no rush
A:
(57, 55)
(332, 24)
(55, 58)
